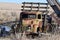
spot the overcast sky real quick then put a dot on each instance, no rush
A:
(20, 1)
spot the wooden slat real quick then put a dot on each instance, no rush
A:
(34, 3)
(35, 7)
(35, 10)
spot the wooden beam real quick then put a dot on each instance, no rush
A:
(34, 7)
